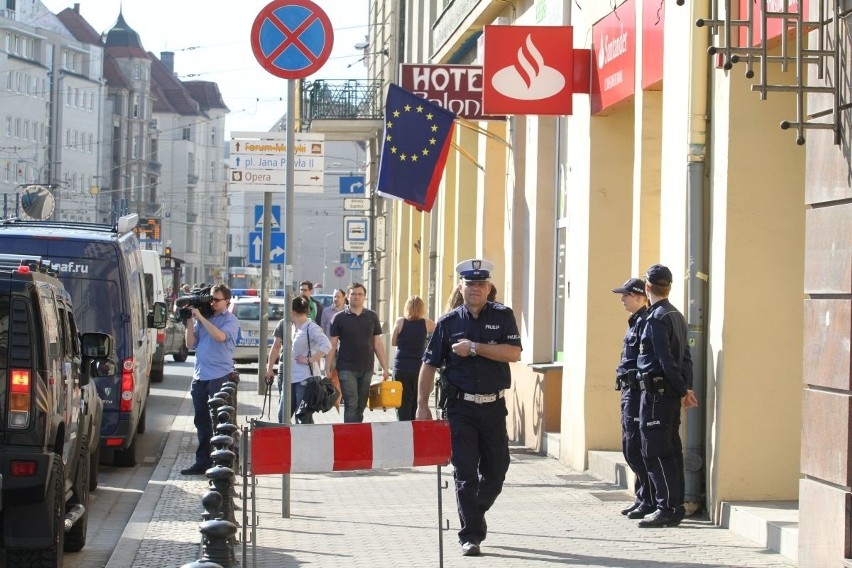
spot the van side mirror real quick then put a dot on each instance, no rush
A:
(97, 356)
(158, 315)
(96, 345)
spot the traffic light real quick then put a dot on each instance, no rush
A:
(168, 252)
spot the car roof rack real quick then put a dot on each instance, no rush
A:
(123, 225)
(33, 262)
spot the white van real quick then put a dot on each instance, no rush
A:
(155, 292)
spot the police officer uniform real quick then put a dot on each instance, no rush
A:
(665, 369)
(476, 405)
(627, 382)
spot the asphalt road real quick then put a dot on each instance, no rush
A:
(119, 489)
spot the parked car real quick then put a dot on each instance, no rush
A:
(324, 299)
(50, 418)
(245, 304)
(101, 267)
(174, 342)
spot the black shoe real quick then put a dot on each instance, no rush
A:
(632, 507)
(641, 511)
(194, 469)
(680, 513)
(660, 518)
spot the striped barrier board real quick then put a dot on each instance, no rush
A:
(322, 448)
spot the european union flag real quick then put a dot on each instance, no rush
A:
(417, 138)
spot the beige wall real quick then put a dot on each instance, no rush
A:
(756, 275)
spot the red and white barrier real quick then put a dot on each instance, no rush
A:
(321, 448)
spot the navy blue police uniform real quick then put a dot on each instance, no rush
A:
(477, 411)
(665, 369)
(627, 382)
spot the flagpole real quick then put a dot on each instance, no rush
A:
(476, 128)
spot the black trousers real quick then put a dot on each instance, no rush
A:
(662, 450)
(631, 445)
(480, 457)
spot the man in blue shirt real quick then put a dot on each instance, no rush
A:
(475, 344)
(214, 340)
(665, 368)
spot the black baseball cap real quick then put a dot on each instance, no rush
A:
(632, 286)
(659, 274)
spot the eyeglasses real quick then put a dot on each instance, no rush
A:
(214, 300)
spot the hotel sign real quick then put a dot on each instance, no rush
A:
(457, 88)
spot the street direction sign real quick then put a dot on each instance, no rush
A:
(356, 204)
(292, 39)
(274, 180)
(275, 221)
(259, 162)
(351, 185)
(356, 233)
(356, 263)
(276, 243)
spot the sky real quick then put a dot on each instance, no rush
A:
(212, 42)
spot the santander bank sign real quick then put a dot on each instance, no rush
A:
(614, 52)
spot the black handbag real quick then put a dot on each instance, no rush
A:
(320, 394)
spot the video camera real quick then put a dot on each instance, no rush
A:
(200, 299)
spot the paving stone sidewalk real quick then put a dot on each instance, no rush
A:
(548, 514)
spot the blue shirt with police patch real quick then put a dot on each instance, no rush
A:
(478, 375)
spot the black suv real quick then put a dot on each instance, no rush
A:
(49, 417)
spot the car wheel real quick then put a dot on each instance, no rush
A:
(94, 467)
(156, 376)
(75, 539)
(140, 427)
(181, 355)
(126, 458)
(52, 555)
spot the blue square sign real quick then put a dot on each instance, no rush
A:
(276, 254)
(352, 185)
(275, 221)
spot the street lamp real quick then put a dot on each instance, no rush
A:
(325, 258)
(308, 228)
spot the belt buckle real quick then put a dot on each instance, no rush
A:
(483, 398)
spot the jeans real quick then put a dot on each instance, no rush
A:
(356, 388)
(201, 392)
(297, 393)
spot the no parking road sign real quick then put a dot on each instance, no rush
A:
(292, 38)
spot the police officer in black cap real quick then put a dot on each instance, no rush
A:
(665, 378)
(475, 344)
(635, 301)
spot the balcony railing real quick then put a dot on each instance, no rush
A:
(192, 179)
(341, 99)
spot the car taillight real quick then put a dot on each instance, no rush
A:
(161, 335)
(20, 398)
(23, 468)
(127, 385)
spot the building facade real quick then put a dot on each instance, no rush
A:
(676, 157)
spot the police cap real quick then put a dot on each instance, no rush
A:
(475, 269)
(632, 286)
(659, 274)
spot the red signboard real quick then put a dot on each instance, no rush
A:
(457, 88)
(614, 57)
(528, 70)
(773, 24)
(653, 18)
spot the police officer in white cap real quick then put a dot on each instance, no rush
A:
(475, 344)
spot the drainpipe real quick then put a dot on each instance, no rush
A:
(696, 249)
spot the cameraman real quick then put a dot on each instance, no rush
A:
(214, 338)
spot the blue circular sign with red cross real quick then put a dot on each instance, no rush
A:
(292, 38)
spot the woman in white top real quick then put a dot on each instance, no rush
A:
(302, 365)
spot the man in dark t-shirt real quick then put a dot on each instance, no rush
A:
(356, 340)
